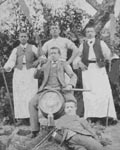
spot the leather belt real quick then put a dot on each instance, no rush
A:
(92, 61)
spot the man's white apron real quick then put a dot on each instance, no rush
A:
(100, 98)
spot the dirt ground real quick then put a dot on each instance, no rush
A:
(10, 138)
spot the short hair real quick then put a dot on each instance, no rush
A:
(54, 24)
(23, 31)
(56, 49)
(90, 24)
(72, 101)
(90, 27)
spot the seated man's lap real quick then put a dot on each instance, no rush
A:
(68, 96)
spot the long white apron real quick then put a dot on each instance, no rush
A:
(24, 88)
(97, 101)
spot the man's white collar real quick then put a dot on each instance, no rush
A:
(91, 41)
(23, 46)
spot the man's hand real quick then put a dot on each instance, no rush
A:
(38, 67)
(42, 59)
(68, 87)
(50, 58)
(2, 70)
(68, 62)
(96, 137)
(8, 69)
(82, 66)
(105, 141)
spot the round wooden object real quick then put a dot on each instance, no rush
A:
(51, 102)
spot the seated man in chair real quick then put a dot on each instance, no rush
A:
(53, 72)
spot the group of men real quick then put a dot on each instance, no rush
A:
(24, 59)
(90, 57)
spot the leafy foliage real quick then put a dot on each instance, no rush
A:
(5, 111)
(117, 39)
(70, 18)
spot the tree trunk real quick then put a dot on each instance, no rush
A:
(102, 15)
(2, 1)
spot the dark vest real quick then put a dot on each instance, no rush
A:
(29, 55)
(53, 77)
(98, 53)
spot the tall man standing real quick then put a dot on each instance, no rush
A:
(93, 53)
(24, 60)
(63, 44)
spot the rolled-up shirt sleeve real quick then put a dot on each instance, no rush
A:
(70, 45)
(78, 58)
(106, 51)
(45, 48)
(12, 60)
(35, 50)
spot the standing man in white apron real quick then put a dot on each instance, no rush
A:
(98, 102)
(24, 60)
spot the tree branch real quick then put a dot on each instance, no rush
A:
(1, 2)
(94, 4)
(102, 15)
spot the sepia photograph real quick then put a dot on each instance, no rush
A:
(59, 74)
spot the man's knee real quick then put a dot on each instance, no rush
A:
(77, 147)
(82, 148)
(98, 146)
(34, 101)
(69, 96)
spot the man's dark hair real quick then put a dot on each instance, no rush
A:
(69, 101)
(90, 24)
(56, 48)
(23, 31)
(89, 27)
(54, 24)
